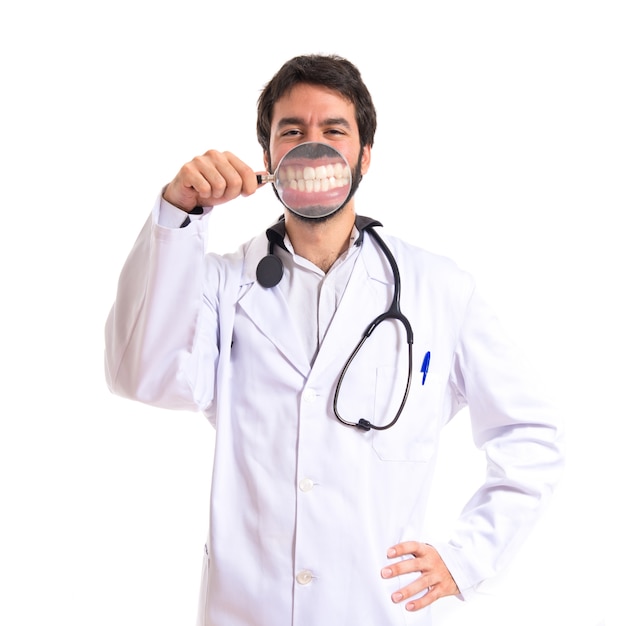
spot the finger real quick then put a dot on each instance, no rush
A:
(217, 177)
(228, 176)
(428, 597)
(415, 591)
(407, 548)
(413, 549)
(404, 566)
(190, 187)
(425, 590)
(245, 174)
(432, 582)
(202, 178)
(214, 176)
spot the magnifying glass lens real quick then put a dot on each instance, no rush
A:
(313, 180)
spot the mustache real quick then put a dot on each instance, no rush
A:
(314, 150)
(309, 150)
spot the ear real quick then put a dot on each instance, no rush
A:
(366, 158)
(266, 160)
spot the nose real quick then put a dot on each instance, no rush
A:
(313, 134)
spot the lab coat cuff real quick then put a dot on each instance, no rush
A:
(170, 216)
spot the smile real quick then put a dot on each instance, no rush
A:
(314, 179)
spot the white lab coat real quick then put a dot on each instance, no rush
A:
(304, 508)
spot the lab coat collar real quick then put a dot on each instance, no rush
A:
(276, 232)
(375, 262)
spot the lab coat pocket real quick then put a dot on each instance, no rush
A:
(413, 436)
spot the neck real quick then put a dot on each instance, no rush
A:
(323, 242)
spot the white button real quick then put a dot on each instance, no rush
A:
(304, 577)
(309, 395)
(306, 484)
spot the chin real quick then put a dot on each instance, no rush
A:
(312, 219)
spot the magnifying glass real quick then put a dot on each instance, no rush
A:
(313, 179)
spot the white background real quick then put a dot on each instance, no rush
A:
(501, 144)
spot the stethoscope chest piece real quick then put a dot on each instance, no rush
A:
(269, 271)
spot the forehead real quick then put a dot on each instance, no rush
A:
(313, 104)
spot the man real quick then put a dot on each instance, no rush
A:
(316, 506)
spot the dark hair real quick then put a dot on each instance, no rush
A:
(332, 72)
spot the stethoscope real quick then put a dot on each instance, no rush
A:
(270, 272)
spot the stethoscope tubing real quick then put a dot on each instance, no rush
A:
(393, 312)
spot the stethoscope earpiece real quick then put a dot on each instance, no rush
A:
(269, 271)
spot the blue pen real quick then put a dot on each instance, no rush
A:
(425, 364)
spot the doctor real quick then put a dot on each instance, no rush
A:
(316, 522)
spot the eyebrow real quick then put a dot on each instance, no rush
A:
(299, 121)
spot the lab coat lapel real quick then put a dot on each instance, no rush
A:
(268, 310)
(366, 296)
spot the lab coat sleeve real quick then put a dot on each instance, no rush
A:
(162, 326)
(520, 434)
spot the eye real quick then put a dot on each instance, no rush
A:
(335, 131)
(291, 132)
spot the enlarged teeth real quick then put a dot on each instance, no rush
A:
(315, 179)
(320, 172)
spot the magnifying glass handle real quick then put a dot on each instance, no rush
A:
(264, 178)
